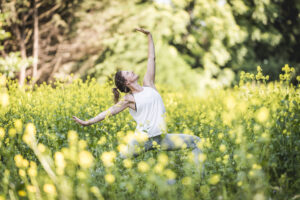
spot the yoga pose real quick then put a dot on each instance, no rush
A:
(147, 108)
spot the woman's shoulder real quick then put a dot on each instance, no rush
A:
(150, 84)
(151, 87)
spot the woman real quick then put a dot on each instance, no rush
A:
(147, 108)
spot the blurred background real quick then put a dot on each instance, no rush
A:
(199, 43)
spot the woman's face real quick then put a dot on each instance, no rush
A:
(129, 76)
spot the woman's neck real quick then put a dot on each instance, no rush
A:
(135, 88)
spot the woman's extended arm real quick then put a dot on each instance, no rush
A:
(149, 78)
(115, 109)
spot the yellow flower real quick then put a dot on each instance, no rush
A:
(32, 172)
(163, 159)
(129, 136)
(102, 140)
(240, 183)
(18, 160)
(256, 166)
(41, 148)
(72, 136)
(4, 99)
(186, 180)
(22, 173)
(155, 145)
(259, 196)
(33, 164)
(59, 160)
(262, 115)
(119, 134)
(29, 136)
(85, 159)
(143, 166)
(220, 135)
(214, 179)
(230, 102)
(22, 193)
(259, 68)
(141, 137)
(158, 168)
(81, 175)
(49, 188)
(2, 80)
(96, 192)
(170, 174)
(127, 163)
(109, 178)
(18, 125)
(25, 163)
(108, 158)
(12, 132)
(251, 173)
(188, 131)
(222, 148)
(207, 143)
(238, 140)
(31, 188)
(226, 157)
(265, 136)
(2, 133)
(82, 144)
(123, 149)
(30, 129)
(202, 157)
(249, 156)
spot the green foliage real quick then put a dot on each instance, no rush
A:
(205, 43)
(250, 142)
(3, 33)
(210, 41)
(271, 27)
(11, 63)
(127, 50)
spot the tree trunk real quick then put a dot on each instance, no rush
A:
(35, 41)
(23, 55)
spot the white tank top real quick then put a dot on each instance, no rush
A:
(150, 112)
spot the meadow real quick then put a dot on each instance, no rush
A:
(250, 142)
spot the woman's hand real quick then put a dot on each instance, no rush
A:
(143, 31)
(79, 121)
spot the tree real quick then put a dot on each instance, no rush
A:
(272, 28)
(31, 20)
(12, 62)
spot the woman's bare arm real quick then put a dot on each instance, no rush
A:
(149, 77)
(115, 109)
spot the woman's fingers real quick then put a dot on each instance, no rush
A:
(75, 118)
(78, 120)
(142, 30)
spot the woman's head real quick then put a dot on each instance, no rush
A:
(122, 81)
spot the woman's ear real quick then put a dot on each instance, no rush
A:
(126, 83)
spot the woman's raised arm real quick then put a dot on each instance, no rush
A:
(115, 109)
(149, 78)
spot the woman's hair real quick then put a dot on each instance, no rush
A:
(120, 85)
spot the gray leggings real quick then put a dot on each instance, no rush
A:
(168, 142)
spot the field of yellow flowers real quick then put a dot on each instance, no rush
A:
(250, 142)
